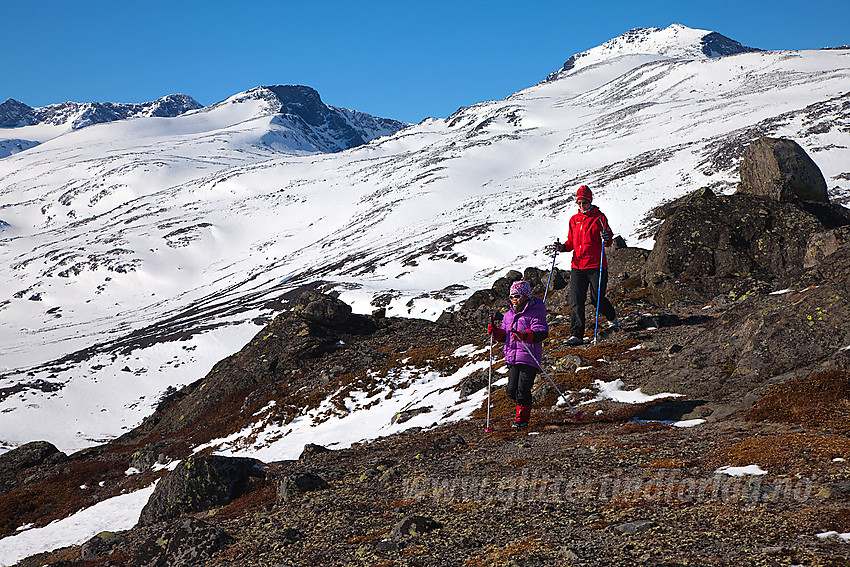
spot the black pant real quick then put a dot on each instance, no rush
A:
(520, 381)
(579, 282)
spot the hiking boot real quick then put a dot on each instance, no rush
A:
(614, 325)
(519, 424)
(575, 341)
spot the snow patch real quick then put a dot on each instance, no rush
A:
(614, 391)
(741, 471)
(115, 514)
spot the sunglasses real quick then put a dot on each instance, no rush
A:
(516, 296)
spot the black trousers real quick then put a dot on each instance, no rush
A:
(520, 380)
(580, 280)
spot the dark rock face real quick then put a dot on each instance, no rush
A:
(144, 459)
(311, 449)
(737, 235)
(188, 541)
(764, 339)
(199, 483)
(31, 455)
(322, 309)
(716, 45)
(780, 169)
(100, 545)
(14, 113)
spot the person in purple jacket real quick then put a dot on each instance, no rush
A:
(524, 322)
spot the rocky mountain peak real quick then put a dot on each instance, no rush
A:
(717, 45)
(296, 100)
(675, 41)
(14, 113)
(325, 128)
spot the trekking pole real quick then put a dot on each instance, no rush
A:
(554, 256)
(577, 414)
(487, 428)
(599, 287)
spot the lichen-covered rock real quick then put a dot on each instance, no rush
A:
(781, 170)
(145, 458)
(100, 545)
(477, 381)
(187, 542)
(824, 244)
(199, 483)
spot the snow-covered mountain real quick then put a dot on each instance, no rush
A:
(301, 121)
(23, 127)
(673, 42)
(14, 114)
(138, 252)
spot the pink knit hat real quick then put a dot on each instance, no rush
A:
(521, 287)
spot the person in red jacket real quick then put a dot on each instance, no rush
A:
(589, 231)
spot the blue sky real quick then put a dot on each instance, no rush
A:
(399, 59)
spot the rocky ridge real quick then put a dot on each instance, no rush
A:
(14, 114)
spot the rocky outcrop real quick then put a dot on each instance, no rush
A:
(779, 169)
(25, 458)
(188, 541)
(100, 545)
(199, 483)
(738, 235)
(322, 309)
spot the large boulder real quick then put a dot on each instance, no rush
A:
(323, 309)
(199, 483)
(28, 456)
(779, 169)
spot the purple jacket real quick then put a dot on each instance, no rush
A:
(533, 316)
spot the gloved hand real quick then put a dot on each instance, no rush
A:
(556, 247)
(606, 236)
(526, 336)
(496, 332)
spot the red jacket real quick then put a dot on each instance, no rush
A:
(585, 241)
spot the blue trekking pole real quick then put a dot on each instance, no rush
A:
(599, 287)
(554, 256)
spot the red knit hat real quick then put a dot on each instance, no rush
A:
(584, 193)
